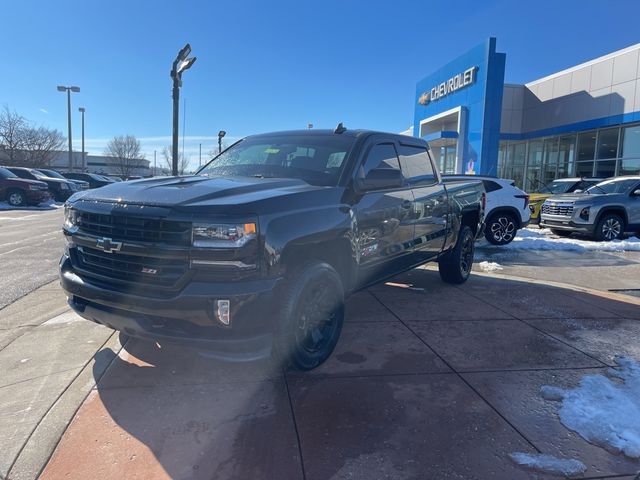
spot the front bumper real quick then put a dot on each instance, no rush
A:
(37, 196)
(565, 223)
(187, 316)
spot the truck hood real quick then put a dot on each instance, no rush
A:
(193, 191)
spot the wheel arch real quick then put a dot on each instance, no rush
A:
(614, 209)
(505, 209)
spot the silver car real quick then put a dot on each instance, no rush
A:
(604, 211)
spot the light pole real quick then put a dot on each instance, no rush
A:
(221, 134)
(200, 156)
(82, 163)
(62, 88)
(180, 64)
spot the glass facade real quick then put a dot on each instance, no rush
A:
(602, 153)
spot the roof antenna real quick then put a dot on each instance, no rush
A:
(340, 128)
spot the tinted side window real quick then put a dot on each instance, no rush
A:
(416, 164)
(490, 186)
(382, 155)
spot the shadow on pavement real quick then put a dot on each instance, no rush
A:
(462, 398)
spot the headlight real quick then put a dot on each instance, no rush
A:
(223, 235)
(70, 218)
(34, 187)
(64, 186)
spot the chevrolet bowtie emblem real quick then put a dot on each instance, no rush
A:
(107, 245)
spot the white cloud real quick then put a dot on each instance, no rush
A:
(44, 111)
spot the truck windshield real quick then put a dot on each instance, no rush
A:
(316, 159)
(618, 185)
(4, 173)
(556, 187)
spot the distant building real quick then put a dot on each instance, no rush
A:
(101, 164)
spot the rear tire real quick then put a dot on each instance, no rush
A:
(610, 227)
(561, 233)
(311, 317)
(455, 265)
(501, 229)
(16, 198)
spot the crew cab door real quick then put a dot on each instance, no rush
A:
(384, 230)
(431, 205)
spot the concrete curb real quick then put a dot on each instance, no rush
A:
(40, 446)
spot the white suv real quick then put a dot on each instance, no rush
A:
(507, 208)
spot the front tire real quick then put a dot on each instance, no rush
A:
(455, 265)
(16, 198)
(501, 229)
(311, 316)
(610, 227)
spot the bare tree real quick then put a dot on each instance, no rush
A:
(12, 127)
(183, 162)
(126, 152)
(39, 146)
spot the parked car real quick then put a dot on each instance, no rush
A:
(604, 211)
(115, 178)
(261, 248)
(557, 187)
(18, 191)
(82, 185)
(60, 190)
(94, 180)
(507, 207)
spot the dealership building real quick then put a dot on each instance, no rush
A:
(582, 121)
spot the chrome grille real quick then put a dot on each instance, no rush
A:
(118, 267)
(560, 209)
(141, 229)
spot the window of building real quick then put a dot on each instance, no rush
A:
(566, 155)
(605, 169)
(416, 164)
(586, 146)
(584, 169)
(629, 166)
(518, 153)
(608, 143)
(631, 142)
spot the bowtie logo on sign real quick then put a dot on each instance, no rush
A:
(454, 84)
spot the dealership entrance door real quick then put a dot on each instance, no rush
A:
(444, 154)
(445, 133)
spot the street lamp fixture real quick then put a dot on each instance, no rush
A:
(221, 134)
(180, 64)
(62, 88)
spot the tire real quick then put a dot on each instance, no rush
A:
(311, 317)
(609, 227)
(16, 198)
(561, 233)
(501, 229)
(455, 265)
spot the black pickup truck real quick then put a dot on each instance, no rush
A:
(261, 247)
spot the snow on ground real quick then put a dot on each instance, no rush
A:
(549, 464)
(489, 266)
(604, 410)
(543, 239)
(51, 205)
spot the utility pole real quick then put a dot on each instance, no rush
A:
(82, 162)
(180, 64)
(154, 164)
(62, 88)
(221, 134)
(200, 157)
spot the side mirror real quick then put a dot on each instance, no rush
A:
(636, 193)
(381, 179)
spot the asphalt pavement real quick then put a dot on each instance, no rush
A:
(31, 243)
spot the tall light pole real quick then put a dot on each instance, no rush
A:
(221, 134)
(180, 64)
(62, 88)
(82, 163)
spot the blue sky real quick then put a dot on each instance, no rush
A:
(274, 65)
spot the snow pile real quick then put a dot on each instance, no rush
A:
(604, 411)
(536, 239)
(50, 205)
(489, 266)
(549, 464)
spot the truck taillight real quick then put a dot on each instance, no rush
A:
(484, 201)
(526, 199)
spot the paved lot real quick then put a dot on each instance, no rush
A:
(440, 383)
(31, 243)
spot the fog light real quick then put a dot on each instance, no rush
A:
(223, 311)
(584, 213)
